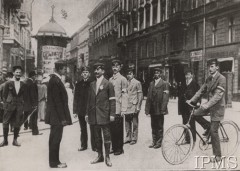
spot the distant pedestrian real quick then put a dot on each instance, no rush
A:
(42, 100)
(101, 108)
(57, 115)
(135, 97)
(80, 109)
(13, 98)
(120, 87)
(156, 106)
(70, 97)
(188, 91)
(31, 103)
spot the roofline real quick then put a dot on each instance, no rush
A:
(97, 6)
(87, 24)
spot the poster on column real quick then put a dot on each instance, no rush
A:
(51, 54)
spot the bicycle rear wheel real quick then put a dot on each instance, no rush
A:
(229, 137)
(177, 144)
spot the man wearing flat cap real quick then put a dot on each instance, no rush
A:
(214, 87)
(101, 109)
(13, 99)
(120, 87)
(57, 114)
(135, 97)
(79, 108)
(156, 107)
(31, 103)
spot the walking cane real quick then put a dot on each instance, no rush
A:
(29, 115)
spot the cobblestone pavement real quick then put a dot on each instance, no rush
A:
(33, 154)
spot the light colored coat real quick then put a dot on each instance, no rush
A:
(135, 96)
(215, 90)
(120, 87)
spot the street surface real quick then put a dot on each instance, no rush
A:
(33, 154)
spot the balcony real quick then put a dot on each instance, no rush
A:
(123, 16)
(15, 4)
(11, 36)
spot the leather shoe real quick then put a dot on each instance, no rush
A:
(15, 143)
(37, 134)
(4, 143)
(133, 142)
(82, 148)
(61, 165)
(126, 142)
(99, 159)
(157, 146)
(107, 161)
(118, 152)
(152, 145)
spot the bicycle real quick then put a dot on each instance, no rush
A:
(177, 142)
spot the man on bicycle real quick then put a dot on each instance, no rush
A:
(214, 87)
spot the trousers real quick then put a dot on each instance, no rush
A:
(116, 128)
(131, 126)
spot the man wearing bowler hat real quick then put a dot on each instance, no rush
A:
(13, 99)
(214, 87)
(120, 87)
(100, 112)
(79, 108)
(31, 102)
(156, 106)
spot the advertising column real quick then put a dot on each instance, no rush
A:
(51, 54)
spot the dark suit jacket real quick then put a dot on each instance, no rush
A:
(11, 99)
(157, 98)
(215, 89)
(188, 91)
(102, 105)
(30, 95)
(80, 97)
(57, 103)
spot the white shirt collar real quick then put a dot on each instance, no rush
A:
(116, 75)
(58, 75)
(189, 81)
(157, 81)
(214, 74)
(100, 79)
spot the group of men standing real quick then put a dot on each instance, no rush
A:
(103, 104)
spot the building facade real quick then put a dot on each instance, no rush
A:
(77, 51)
(176, 34)
(103, 33)
(16, 25)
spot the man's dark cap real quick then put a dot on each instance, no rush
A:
(116, 61)
(85, 69)
(130, 70)
(17, 67)
(31, 74)
(188, 70)
(158, 69)
(213, 61)
(98, 65)
(9, 74)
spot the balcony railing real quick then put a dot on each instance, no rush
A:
(10, 35)
(16, 4)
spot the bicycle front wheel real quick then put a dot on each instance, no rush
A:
(229, 137)
(177, 144)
